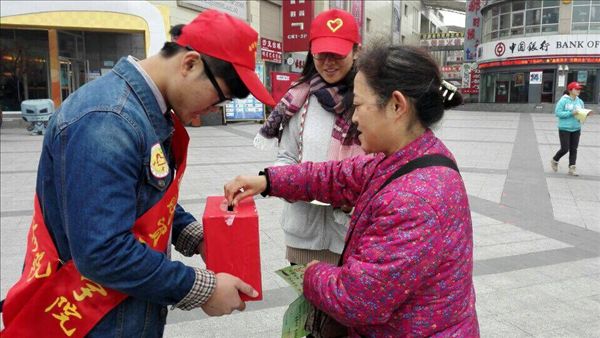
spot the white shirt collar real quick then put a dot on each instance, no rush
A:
(159, 98)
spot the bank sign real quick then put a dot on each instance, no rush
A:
(540, 46)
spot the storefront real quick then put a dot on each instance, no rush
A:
(532, 49)
(537, 69)
(49, 49)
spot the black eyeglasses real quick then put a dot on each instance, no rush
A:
(211, 78)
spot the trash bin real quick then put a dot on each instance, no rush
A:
(38, 113)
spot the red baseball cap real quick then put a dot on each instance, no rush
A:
(224, 37)
(333, 31)
(574, 85)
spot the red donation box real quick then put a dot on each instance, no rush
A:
(232, 242)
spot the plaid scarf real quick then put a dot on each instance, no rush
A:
(330, 97)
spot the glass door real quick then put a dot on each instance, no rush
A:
(548, 86)
(502, 91)
(66, 77)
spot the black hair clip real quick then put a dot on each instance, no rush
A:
(447, 88)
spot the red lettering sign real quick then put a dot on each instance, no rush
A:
(271, 50)
(297, 16)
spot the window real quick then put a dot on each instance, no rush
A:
(505, 87)
(518, 18)
(586, 16)
(415, 18)
(368, 24)
(24, 70)
(518, 5)
(406, 10)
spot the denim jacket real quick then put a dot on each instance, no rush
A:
(94, 181)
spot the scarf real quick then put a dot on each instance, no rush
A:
(331, 97)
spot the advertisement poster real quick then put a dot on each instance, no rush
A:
(535, 78)
(519, 79)
(248, 109)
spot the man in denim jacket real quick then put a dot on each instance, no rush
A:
(95, 175)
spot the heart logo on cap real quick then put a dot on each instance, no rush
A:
(334, 25)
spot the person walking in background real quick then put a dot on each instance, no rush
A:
(106, 207)
(315, 118)
(569, 128)
(407, 266)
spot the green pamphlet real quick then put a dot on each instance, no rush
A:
(296, 315)
(293, 275)
(294, 319)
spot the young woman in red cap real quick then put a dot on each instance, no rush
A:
(313, 123)
(569, 128)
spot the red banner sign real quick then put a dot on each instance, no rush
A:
(537, 61)
(297, 16)
(281, 82)
(271, 50)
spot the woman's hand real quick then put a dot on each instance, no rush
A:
(311, 263)
(244, 186)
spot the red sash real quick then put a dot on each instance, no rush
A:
(50, 303)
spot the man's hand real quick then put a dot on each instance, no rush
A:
(226, 298)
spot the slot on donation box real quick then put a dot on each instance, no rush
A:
(232, 242)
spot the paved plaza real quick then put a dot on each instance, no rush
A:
(536, 232)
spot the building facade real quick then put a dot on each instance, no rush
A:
(49, 49)
(531, 50)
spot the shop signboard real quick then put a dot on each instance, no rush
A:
(470, 78)
(297, 16)
(451, 72)
(248, 109)
(271, 50)
(449, 42)
(473, 22)
(563, 45)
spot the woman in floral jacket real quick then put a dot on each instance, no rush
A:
(408, 263)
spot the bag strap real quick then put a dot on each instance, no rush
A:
(432, 160)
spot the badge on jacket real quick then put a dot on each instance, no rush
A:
(158, 163)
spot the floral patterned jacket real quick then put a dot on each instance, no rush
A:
(407, 270)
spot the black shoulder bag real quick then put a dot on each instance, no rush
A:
(320, 324)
